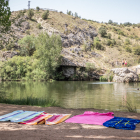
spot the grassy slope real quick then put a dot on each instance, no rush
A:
(57, 20)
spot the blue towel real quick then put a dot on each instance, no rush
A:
(20, 115)
(122, 123)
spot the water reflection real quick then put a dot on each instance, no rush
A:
(81, 94)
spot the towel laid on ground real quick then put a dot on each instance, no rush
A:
(122, 123)
(56, 118)
(90, 117)
(40, 119)
(20, 116)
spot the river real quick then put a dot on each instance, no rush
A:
(77, 94)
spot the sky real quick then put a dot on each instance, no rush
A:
(98, 10)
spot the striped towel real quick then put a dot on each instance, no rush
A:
(20, 116)
(57, 118)
(40, 119)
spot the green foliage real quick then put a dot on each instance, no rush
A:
(10, 45)
(48, 52)
(109, 35)
(128, 49)
(109, 43)
(45, 15)
(127, 42)
(27, 45)
(37, 8)
(102, 31)
(114, 42)
(137, 50)
(119, 37)
(97, 44)
(107, 77)
(39, 26)
(27, 32)
(90, 67)
(5, 13)
(20, 14)
(30, 13)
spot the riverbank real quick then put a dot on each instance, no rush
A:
(66, 131)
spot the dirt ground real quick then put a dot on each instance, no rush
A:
(63, 131)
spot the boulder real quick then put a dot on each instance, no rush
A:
(124, 75)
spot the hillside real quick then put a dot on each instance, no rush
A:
(78, 36)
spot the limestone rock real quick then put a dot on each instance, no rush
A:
(124, 75)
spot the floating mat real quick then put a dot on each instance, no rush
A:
(122, 123)
(20, 116)
(90, 117)
(57, 118)
(40, 119)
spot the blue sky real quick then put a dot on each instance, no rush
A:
(100, 10)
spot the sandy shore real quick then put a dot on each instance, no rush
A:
(63, 131)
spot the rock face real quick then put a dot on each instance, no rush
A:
(79, 37)
(124, 75)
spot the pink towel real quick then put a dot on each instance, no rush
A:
(90, 117)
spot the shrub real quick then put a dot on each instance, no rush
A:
(90, 67)
(127, 42)
(30, 13)
(109, 35)
(27, 32)
(45, 15)
(27, 45)
(39, 26)
(114, 42)
(37, 8)
(20, 14)
(137, 50)
(108, 42)
(119, 37)
(102, 31)
(128, 49)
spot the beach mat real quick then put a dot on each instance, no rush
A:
(20, 116)
(90, 117)
(40, 119)
(122, 123)
(56, 119)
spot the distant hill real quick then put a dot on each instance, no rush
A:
(79, 37)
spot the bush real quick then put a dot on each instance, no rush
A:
(102, 31)
(27, 32)
(27, 45)
(90, 67)
(30, 14)
(128, 49)
(109, 43)
(109, 35)
(37, 8)
(119, 37)
(39, 26)
(114, 42)
(45, 15)
(137, 50)
(127, 42)
(20, 14)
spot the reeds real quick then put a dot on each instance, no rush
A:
(30, 101)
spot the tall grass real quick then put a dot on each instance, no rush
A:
(29, 101)
(128, 106)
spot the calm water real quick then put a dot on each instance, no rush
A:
(81, 94)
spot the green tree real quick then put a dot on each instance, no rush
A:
(109, 35)
(48, 51)
(30, 13)
(45, 15)
(102, 31)
(37, 8)
(27, 45)
(5, 13)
